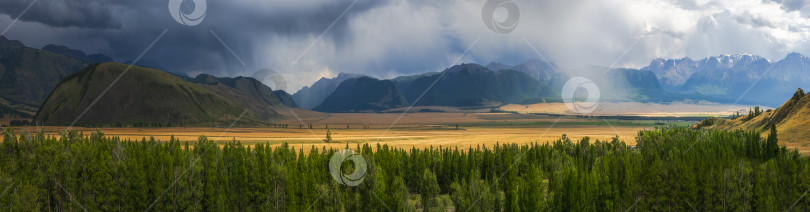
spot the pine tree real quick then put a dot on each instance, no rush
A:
(328, 136)
(430, 190)
(533, 192)
(771, 144)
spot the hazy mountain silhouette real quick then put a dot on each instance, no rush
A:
(539, 70)
(311, 96)
(28, 75)
(5, 42)
(749, 78)
(248, 86)
(473, 85)
(285, 98)
(363, 94)
(496, 66)
(672, 73)
(93, 58)
(147, 95)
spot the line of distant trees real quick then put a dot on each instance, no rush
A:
(752, 113)
(149, 124)
(211, 124)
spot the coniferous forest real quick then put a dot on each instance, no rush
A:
(668, 170)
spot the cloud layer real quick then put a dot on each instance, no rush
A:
(396, 37)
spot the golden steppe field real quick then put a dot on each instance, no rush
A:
(677, 109)
(521, 125)
(418, 130)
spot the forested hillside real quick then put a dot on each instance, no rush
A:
(669, 170)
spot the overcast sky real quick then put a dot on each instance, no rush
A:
(387, 38)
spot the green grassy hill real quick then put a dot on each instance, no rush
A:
(792, 120)
(146, 95)
(247, 85)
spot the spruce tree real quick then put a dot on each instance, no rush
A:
(771, 144)
(430, 190)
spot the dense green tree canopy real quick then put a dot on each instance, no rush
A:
(668, 170)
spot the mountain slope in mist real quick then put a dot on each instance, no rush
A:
(28, 75)
(93, 58)
(749, 78)
(363, 94)
(311, 96)
(251, 87)
(473, 85)
(285, 98)
(149, 96)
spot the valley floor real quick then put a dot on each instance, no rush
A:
(677, 109)
(448, 129)
(420, 130)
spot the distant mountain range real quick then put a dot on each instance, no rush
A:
(29, 75)
(93, 58)
(363, 94)
(538, 70)
(311, 96)
(48, 86)
(736, 78)
(473, 85)
(727, 78)
(147, 95)
(460, 85)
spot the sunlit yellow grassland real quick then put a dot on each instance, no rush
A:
(418, 130)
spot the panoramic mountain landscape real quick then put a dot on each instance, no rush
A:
(359, 105)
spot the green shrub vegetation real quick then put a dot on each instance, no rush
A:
(669, 170)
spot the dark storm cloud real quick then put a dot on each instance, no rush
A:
(123, 29)
(66, 13)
